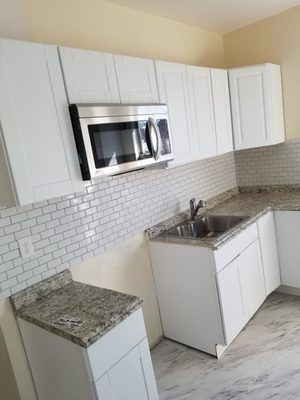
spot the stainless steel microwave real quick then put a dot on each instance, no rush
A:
(113, 139)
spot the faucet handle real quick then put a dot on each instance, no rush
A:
(202, 203)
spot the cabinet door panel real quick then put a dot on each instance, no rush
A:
(90, 76)
(136, 78)
(221, 99)
(202, 111)
(256, 103)
(172, 88)
(125, 380)
(35, 122)
(252, 279)
(287, 230)
(231, 299)
(251, 116)
(269, 253)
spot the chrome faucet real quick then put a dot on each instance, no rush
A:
(194, 210)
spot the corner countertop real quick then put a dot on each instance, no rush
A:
(75, 311)
(253, 202)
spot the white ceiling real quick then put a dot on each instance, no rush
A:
(213, 15)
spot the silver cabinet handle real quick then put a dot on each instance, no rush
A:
(156, 149)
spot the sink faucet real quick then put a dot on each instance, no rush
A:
(194, 209)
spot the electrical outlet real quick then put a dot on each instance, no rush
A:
(26, 248)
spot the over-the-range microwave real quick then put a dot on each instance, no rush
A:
(113, 139)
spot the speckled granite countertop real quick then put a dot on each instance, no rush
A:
(248, 201)
(75, 311)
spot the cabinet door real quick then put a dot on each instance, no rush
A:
(90, 76)
(202, 111)
(256, 102)
(269, 253)
(35, 122)
(288, 240)
(252, 279)
(129, 379)
(172, 88)
(231, 299)
(136, 79)
(221, 100)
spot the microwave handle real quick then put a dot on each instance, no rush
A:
(157, 151)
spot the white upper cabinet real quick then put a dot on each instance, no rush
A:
(257, 109)
(90, 76)
(202, 111)
(222, 110)
(173, 90)
(36, 128)
(136, 79)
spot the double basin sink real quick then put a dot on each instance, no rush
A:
(210, 226)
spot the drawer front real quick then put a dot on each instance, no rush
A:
(108, 350)
(235, 246)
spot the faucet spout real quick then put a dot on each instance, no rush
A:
(194, 210)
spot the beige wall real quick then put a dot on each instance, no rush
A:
(13, 19)
(275, 40)
(127, 269)
(98, 25)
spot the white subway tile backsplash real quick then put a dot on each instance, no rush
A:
(68, 230)
(4, 221)
(14, 272)
(4, 249)
(34, 213)
(272, 165)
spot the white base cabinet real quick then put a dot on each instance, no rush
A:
(252, 278)
(269, 252)
(257, 107)
(116, 367)
(205, 296)
(232, 304)
(287, 230)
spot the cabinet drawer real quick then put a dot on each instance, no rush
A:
(235, 246)
(104, 353)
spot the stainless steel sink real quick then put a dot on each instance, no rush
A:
(207, 226)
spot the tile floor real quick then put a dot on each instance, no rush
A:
(263, 363)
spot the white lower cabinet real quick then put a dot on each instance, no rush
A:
(116, 367)
(252, 278)
(241, 290)
(127, 379)
(287, 230)
(231, 300)
(206, 296)
(269, 252)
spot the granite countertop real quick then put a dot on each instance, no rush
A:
(249, 201)
(75, 311)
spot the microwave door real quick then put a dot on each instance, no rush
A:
(116, 144)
